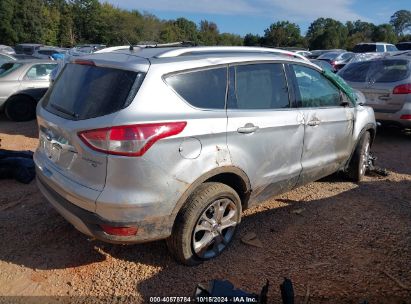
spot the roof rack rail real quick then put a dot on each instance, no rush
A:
(227, 49)
(151, 44)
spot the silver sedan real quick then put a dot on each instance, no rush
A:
(22, 84)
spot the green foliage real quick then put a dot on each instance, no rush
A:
(69, 22)
(252, 40)
(327, 34)
(401, 21)
(282, 33)
(8, 32)
(208, 33)
(385, 33)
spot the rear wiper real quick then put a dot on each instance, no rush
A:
(65, 111)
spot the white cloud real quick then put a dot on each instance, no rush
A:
(296, 11)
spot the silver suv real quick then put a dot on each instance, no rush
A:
(173, 143)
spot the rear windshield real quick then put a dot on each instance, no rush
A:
(84, 91)
(8, 67)
(378, 71)
(364, 48)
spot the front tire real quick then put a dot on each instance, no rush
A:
(359, 162)
(20, 108)
(206, 224)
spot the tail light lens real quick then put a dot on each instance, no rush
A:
(402, 89)
(133, 140)
(406, 117)
(119, 231)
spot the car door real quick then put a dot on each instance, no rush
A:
(329, 122)
(264, 133)
(37, 76)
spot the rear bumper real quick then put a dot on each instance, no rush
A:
(394, 118)
(89, 222)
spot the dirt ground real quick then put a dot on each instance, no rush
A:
(340, 240)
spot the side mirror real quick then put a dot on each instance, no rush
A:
(360, 98)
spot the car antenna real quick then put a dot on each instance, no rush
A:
(131, 47)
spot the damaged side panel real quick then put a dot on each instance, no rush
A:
(271, 155)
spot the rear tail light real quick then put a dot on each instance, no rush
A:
(119, 231)
(333, 63)
(402, 89)
(133, 140)
(406, 117)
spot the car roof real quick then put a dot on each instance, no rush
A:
(141, 60)
(174, 52)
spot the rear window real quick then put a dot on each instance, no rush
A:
(83, 91)
(202, 89)
(378, 71)
(364, 48)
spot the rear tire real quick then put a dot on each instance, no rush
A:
(20, 108)
(206, 224)
(359, 162)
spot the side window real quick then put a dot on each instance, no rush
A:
(202, 89)
(260, 86)
(315, 90)
(391, 48)
(380, 48)
(40, 71)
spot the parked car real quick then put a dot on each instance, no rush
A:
(324, 65)
(173, 143)
(304, 53)
(5, 49)
(47, 52)
(27, 48)
(22, 84)
(369, 47)
(386, 84)
(4, 57)
(404, 46)
(337, 59)
(85, 49)
(317, 53)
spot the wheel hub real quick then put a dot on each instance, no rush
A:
(214, 228)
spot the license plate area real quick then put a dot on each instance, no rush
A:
(51, 149)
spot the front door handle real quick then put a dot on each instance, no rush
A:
(248, 128)
(314, 122)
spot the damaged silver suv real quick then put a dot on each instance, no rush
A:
(174, 143)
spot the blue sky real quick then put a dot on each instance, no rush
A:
(253, 16)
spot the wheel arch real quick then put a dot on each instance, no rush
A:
(371, 128)
(231, 176)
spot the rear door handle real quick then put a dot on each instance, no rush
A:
(314, 122)
(248, 128)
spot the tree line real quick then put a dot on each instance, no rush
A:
(70, 22)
